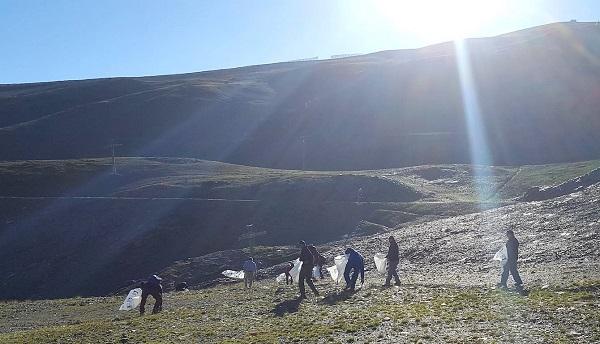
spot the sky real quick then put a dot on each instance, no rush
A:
(81, 39)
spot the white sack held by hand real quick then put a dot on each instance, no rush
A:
(133, 299)
(380, 262)
(233, 274)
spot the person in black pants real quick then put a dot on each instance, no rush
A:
(152, 287)
(307, 259)
(356, 266)
(393, 259)
(512, 250)
(318, 260)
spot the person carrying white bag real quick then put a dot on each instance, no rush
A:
(306, 264)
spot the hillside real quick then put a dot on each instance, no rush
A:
(388, 109)
(73, 220)
(446, 296)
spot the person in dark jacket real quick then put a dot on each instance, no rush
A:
(307, 259)
(355, 265)
(318, 260)
(393, 259)
(512, 250)
(321, 261)
(181, 286)
(152, 286)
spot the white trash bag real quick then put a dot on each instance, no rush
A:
(233, 274)
(337, 271)
(316, 272)
(380, 263)
(501, 255)
(133, 299)
(333, 272)
(295, 272)
(280, 278)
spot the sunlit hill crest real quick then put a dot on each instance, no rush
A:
(387, 109)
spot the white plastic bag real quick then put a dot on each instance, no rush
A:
(233, 274)
(295, 272)
(337, 271)
(315, 272)
(501, 255)
(380, 263)
(133, 299)
(333, 272)
(280, 278)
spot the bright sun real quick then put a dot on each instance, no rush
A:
(439, 20)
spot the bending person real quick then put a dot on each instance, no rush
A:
(355, 265)
(152, 287)
(288, 277)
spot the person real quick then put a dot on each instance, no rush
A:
(249, 268)
(393, 259)
(318, 260)
(321, 261)
(355, 264)
(307, 259)
(152, 286)
(181, 286)
(287, 270)
(510, 267)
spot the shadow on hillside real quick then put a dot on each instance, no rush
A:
(335, 298)
(287, 306)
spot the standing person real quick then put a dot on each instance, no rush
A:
(321, 261)
(307, 259)
(249, 268)
(318, 260)
(393, 259)
(356, 264)
(152, 286)
(512, 250)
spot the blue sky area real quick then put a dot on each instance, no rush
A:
(80, 39)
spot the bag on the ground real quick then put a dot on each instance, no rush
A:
(280, 278)
(295, 272)
(337, 271)
(233, 274)
(501, 255)
(380, 262)
(133, 299)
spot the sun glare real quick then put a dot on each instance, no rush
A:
(439, 20)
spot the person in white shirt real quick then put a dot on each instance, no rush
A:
(249, 268)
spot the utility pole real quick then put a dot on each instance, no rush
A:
(250, 234)
(303, 138)
(359, 195)
(250, 231)
(114, 160)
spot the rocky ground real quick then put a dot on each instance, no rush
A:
(448, 294)
(412, 313)
(560, 241)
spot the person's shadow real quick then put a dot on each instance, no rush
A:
(335, 298)
(287, 306)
